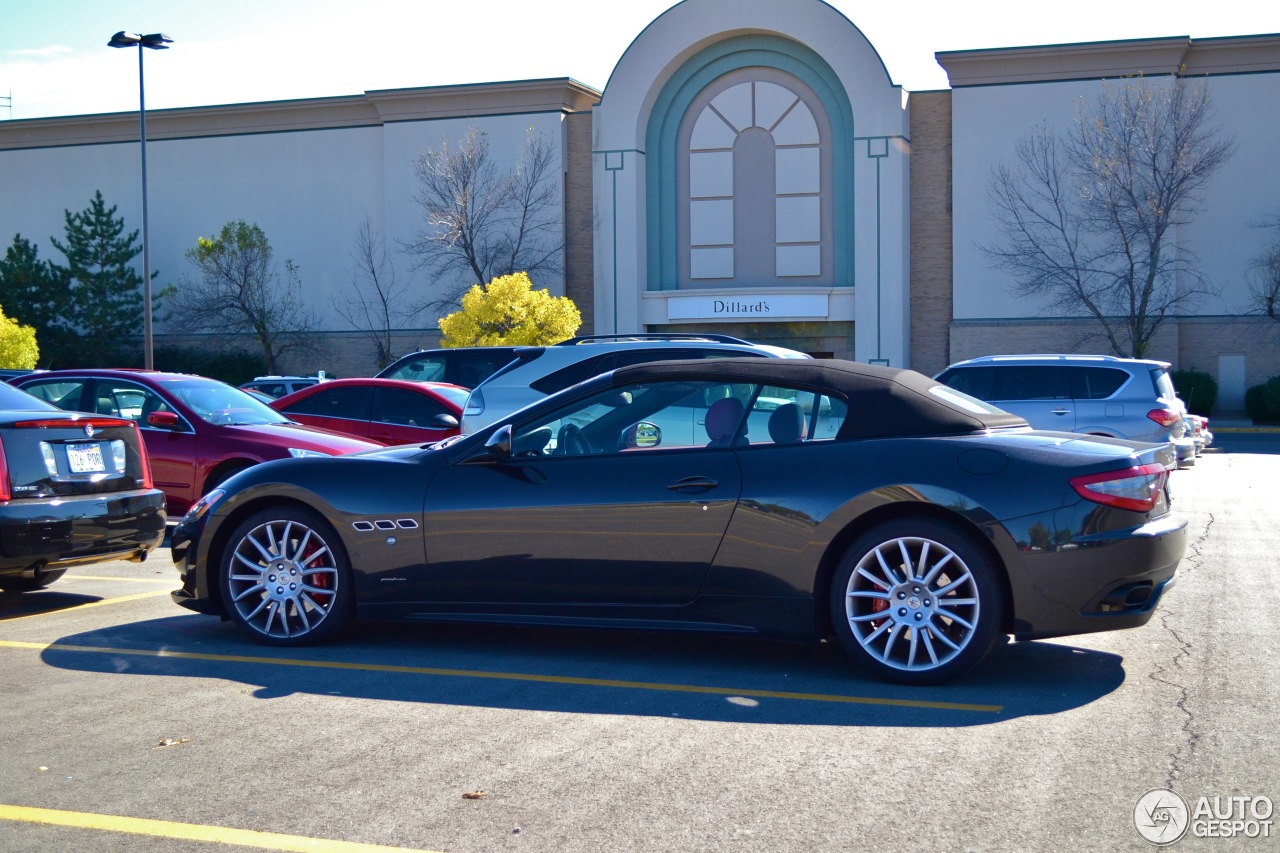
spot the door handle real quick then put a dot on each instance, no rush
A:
(1059, 411)
(694, 483)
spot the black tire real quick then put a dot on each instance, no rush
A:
(17, 583)
(221, 475)
(887, 612)
(286, 579)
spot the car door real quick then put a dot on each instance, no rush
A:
(341, 408)
(1041, 393)
(401, 416)
(612, 523)
(174, 452)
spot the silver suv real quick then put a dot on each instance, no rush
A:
(537, 372)
(1129, 398)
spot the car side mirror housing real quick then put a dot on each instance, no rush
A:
(444, 420)
(163, 420)
(498, 445)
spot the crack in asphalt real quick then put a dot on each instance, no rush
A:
(1191, 737)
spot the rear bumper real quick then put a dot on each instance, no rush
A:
(1099, 582)
(88, 529)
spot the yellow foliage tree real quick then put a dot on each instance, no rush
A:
(509, 312)
(18, 349)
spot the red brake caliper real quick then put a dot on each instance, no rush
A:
(323, 581)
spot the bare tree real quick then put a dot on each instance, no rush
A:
(237, 291)
(1264, 278)
(1087, 218)
(378, 300)
(479, 222)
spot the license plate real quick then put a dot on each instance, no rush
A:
(85, 458)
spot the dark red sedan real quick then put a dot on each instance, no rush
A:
(388, 411)
(198, 431)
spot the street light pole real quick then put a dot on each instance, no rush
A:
(154, 41)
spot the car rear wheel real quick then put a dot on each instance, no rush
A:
(285, 578)
(19, 583)
(916, 601)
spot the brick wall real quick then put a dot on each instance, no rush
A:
(930, 231)
(579, 219)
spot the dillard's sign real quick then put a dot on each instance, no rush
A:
(756, 305)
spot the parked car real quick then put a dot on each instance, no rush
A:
(465, 366)
(388, 411)
(536, 372)
(278, 386)
(1200, 433)
(198, 431)
(1092, 394)
(8, 374)
(915, 523)
(74, 489)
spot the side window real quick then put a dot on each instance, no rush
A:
(127, 400)
(65, 394)
(1032, 382)
(405, 408)
(475, 367)
(573, 374)
(1096, 383)
(647, 416)
(975, 381)
(351, 403)
(791, 416)
(424, 369)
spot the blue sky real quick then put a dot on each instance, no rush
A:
(54, 58)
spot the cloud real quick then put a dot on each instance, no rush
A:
(51, 52)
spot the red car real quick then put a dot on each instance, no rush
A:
(198, 431)
(389, 411)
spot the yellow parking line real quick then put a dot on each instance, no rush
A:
(188, 831)
(170, 581)
(516, 676)
(99, 603)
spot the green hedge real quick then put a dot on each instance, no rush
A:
(1197, 389)
(1263, 401)
(233, 367)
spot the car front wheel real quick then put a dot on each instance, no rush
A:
(285, 578)
(916, 601)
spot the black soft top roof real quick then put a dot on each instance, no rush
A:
(883, 401)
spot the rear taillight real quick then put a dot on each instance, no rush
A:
(143, 459)
(1164, 417)
(5, 490)
(1137, 488)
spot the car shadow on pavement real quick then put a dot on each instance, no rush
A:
(589, 671)
(15, 605)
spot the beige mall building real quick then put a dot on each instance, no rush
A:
(750, 168)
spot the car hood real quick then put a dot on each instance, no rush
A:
(301, 436)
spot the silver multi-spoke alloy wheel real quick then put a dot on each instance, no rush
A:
(917, 601)
(283, 580)
(912, 603)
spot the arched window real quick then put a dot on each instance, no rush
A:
(755, 200)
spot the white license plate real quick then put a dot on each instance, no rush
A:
(85, 458)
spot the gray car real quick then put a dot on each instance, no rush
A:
(539, 371)
(1129, 398)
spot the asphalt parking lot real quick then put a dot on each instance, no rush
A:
(129, 724)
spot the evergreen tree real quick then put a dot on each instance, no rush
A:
(103, 300)
(31, 295)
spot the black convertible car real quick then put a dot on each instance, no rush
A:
(786, 498)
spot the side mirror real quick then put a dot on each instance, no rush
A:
(498, 445)
(641, 436)
(163, 420)
(444, 420)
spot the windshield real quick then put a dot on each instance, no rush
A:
(219, 403)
